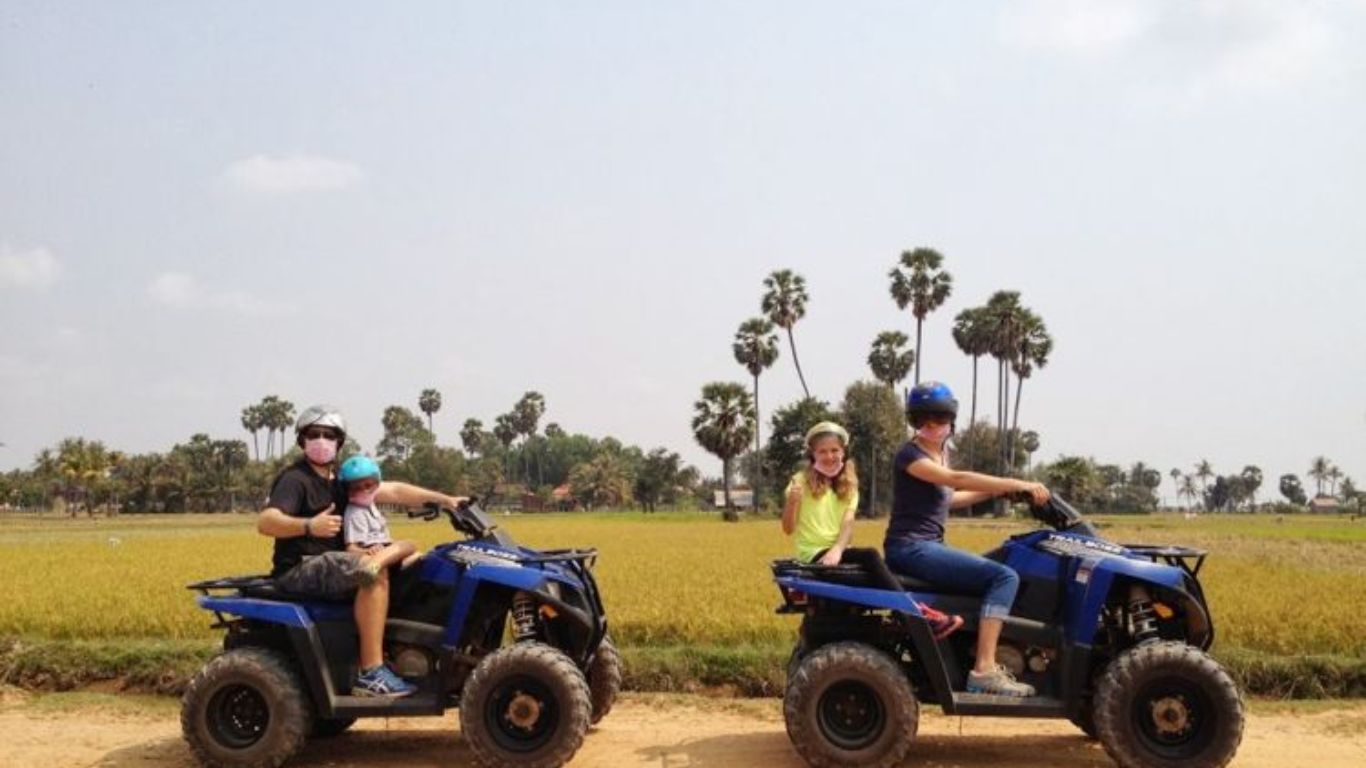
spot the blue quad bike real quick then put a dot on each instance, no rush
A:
(1113, 638)
(527, 689)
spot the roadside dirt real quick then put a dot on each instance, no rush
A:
(647, 730)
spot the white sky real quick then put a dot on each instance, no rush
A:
(205, 203)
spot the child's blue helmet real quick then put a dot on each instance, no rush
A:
(358, 468)
(931, 397)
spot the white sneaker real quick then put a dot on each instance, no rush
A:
(998, 682)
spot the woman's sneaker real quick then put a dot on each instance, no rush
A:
(382, 682)
(998, 682)
(941, 624)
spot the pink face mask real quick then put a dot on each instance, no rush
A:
(934, 434)
(320, 450)
(365, 498)
(829, 468)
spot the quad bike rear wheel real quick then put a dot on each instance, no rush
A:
(604, 679)
(245, 709)
(525, 706)
(850, 704)
(1168, 704)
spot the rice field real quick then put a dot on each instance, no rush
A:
(1287, 588)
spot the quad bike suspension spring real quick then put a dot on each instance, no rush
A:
(524, 617)
(1142, 618)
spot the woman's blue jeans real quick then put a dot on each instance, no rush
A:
(958, 570)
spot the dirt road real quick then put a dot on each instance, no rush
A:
(649, 730)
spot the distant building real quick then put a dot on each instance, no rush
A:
(1326, 505)
(739, 497)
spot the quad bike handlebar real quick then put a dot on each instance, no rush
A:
(1057, 514)
(467, 517)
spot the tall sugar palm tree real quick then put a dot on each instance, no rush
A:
(756, 348)
(972, 334)
(1003, 317)
(252, 422)
(723, 421)
(889, 359)
(890, 362)
(1334, 475)
(921, 283)
(784, 303)
(1188, 489)
(1318, 469)
(429, 402)
(1176, 482)
(1032, 347)
(471, 435)
(1203, 472)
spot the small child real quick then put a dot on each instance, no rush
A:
(366, 530)
(822, 500)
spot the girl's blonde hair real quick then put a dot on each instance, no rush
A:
(845, 483)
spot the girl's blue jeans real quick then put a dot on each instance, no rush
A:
(958, 570)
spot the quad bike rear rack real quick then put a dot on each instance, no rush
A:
(1188, 559)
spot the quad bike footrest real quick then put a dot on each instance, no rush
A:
(376, 706)
(1006, 706)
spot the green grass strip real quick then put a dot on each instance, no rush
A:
(165, 666)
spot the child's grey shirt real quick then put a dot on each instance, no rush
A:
(365, 526)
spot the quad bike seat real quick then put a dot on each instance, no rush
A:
(264, 588)
(863, 568)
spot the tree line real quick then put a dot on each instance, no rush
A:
(514, 462)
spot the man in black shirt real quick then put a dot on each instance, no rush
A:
(303, 515)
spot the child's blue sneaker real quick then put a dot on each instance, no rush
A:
(381, 681)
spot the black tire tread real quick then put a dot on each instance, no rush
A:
(903, 709)
(1115, 689)
(515, 659)
(604, 679)
(291, 717)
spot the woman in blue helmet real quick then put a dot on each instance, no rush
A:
(924, 489)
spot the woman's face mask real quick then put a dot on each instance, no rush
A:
(935, 434)
(320, 450)
(827, 456)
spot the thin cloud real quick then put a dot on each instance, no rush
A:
(1191, 46)
(1078, 27)
(289, 174)
(181, 291)
(35, 269)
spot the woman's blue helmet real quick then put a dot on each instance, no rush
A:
(929, 397)
(358, 468)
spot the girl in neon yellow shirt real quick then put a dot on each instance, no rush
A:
(822, 500)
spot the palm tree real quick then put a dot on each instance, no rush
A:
(972, 334)
(1319, 470)
(1029, 441)
(1252, 480)
(471, 435)
(1033, 345)
(1176, 483)
(429, 402)
(889, 359)
(891, 362)
(252, 422)
(1003, 317)
(1334, 475)
(1203, 472)
(526, 419)
(920, 283)
(1187, 488)
(722, 423)
(756, 348)
(784, 303)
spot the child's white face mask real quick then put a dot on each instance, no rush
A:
(365, 498)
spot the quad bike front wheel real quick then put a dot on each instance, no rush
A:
(604, 679)
(525, 706)
(849, 704)
(1168, 704)
(245, 709)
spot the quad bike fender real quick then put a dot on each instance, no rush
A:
(1096, 581)
(270, 611)
(866, 596)
(541, 584)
